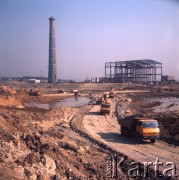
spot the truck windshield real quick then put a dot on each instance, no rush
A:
(150, 124)
(105, 105)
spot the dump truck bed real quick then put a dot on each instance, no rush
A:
(129, 123)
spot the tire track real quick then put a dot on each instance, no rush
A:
(76, 124)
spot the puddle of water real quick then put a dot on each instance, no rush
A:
(68, 102)
(168, 104)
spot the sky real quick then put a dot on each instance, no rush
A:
(88, 34)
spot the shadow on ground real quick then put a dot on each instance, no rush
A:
(93, 113)
(118, 138)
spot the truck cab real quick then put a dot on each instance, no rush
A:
(148, 129)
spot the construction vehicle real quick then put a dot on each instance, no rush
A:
(142, 128)
(76, 92)
(60, 91)
(99, 100)
(34, 93)
(105, 108)
(111, 94)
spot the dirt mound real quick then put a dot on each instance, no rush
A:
(11, 101)
(38, 144)
(10, 97)
(5, 90)
(169, 126)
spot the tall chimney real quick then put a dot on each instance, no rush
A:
(52, 68)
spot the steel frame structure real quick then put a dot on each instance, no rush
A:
(145, 70)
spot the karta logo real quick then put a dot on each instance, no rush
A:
(115, 167)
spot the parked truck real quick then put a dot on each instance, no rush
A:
(142, 128)
(105, 108)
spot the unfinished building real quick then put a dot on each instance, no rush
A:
(145, 70)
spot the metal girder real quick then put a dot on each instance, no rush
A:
(145, 70)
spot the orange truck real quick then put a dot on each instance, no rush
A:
(105, 108)
(142, 128)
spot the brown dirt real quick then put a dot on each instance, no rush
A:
(41, 144)
(106, 130)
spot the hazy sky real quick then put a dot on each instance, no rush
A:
(88, 34)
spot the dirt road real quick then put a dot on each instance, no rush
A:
(53, 144)
(107, 130)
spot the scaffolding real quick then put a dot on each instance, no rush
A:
(145, 70)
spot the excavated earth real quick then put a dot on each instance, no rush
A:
(57, 144)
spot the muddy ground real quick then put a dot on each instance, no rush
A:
(51, 144)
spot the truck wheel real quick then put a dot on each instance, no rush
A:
(139, 139)
(152, 140)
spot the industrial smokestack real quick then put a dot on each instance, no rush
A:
(52, 69)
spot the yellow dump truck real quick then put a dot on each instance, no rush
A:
(111, 94)
(105, 108)
(142, 128)
(99, 100)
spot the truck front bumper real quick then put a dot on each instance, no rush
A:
(150, 137)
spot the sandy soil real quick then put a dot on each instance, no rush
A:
(107, 130)
(39, 144)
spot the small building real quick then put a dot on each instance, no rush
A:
(33, 81)
(168, 79)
